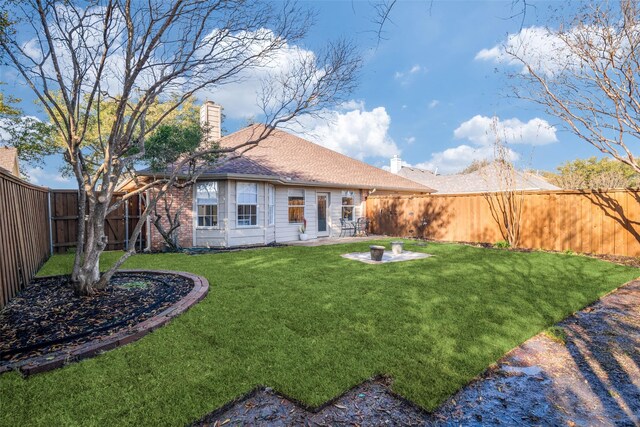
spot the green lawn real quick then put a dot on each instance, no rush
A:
(312, 324)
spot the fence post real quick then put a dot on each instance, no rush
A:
(126, 225)
(145, 229)
(49, 215)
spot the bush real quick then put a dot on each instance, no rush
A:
(502, 244)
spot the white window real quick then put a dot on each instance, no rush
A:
(348, 205)
(272, 203)
(207, 203)
(296, 206)
(247, 203)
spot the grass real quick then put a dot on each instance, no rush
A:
(312, 324)
(557, 334)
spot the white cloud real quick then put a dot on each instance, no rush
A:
(23, 127)
(479, 130)
(241, 99)
(84, 48)
(355, 132)
(410, 140)
(543, 49)
(404, 77)
(32, 49)
(40, 176)
(238, 94)
(352, 104)
(434, 103)
(455, 159)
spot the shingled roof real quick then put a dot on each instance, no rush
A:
(289, 159)
(9, 160)
(480, 181)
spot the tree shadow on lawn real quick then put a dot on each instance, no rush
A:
(325, 324)
(476, 324)
(455, 325)
(494, 320)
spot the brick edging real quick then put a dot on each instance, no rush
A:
(97, 346)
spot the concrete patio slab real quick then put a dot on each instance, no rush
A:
(388, 256)
(334, 240)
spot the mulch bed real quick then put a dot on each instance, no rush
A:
(369, 404)
(47, 316)
(629, 261)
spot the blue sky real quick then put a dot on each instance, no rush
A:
(426, 92)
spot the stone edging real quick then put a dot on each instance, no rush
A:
(97, 346)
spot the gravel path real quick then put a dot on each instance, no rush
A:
(593, 379)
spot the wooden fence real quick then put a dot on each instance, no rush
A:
(24, 233)
(599, 222)
(36, 221)
(64, 222)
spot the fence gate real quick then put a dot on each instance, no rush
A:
(119, 224)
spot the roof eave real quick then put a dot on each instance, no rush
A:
(294, 182)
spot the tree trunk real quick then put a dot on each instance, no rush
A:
(86, 274)
(80, 232)
(86, 278)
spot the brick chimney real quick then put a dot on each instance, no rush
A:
(211, 115)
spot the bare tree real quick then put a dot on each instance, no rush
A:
(383, 12)
(166, 219)
(130, 54)
(505, 204)
(588, 76)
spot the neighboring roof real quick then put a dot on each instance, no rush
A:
(290, 159)
(9, 160)
(480, 181)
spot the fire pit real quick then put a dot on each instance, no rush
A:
(376, 252)
(397, 247)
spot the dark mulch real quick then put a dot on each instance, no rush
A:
(47, 316)
(369, 404)
(619, 259)
(592, 379)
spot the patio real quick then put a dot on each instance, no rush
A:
(322, 241)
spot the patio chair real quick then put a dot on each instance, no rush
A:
(347, 228)
(361, 227)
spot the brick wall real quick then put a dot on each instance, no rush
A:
(176, 198)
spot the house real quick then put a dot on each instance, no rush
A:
(9, 160)
(266, 194)
(483, 180)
